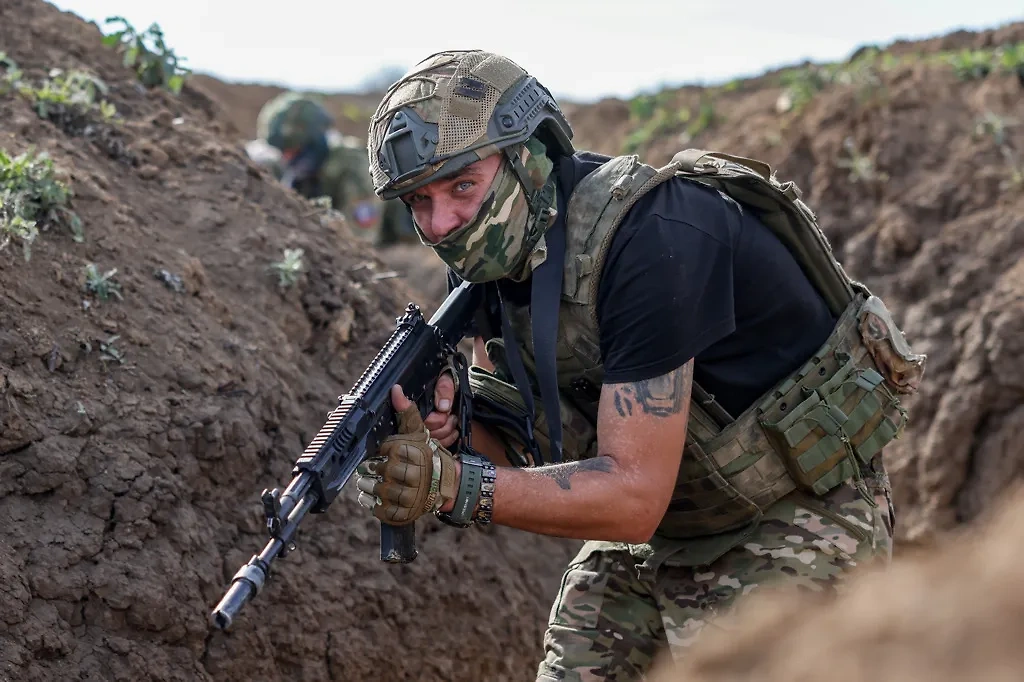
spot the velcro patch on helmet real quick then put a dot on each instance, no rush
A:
(471, 88)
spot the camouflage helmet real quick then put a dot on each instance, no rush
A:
(455, 108)
(292, 121)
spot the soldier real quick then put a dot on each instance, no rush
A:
(298, 142)
(721, 389)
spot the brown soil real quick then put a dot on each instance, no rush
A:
(242, 103)
(129, 492)
(955, 614)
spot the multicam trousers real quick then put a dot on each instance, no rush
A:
(615, 612)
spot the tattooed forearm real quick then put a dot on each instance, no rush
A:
(561, 473)
(659, 397)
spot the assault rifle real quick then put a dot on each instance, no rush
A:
(414, 356)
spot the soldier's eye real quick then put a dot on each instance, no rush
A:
(464, 186)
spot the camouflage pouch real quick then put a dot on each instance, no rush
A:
(838, 411)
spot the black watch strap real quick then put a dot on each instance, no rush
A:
(468, 496)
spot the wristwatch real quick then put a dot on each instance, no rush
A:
(461, 515)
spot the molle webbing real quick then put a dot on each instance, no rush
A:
(728, 476)
(813, 431)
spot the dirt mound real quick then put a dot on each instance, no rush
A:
(242, 103)
(136, 434)
(955, 614)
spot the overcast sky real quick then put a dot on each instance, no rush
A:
(580, 49)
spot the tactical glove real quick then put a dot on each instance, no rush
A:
(413, 474)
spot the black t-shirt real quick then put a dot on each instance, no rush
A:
(691, 274)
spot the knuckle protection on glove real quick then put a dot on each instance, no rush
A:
(390, 493)
(410, 474)
(414, 454)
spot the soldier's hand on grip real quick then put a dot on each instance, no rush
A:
(413, 474)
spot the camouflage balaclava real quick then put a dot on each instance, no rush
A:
(454, 109)
(496, 243)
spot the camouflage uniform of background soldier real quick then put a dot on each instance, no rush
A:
(687, 500)
(300, 146)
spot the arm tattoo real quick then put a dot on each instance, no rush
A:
(659, 397)
(561, 473)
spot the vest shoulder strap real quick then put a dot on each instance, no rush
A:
(594, 211)
(753, 184)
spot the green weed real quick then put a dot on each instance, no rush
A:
(993, 125)
(289, 268)
(32, 198)
(1011, 60)
(645, 107)
(109, 352)
(861, 167)
(10, 74)
(103, 286)
(706, 118)
(77, 91)
(14, 226)
(154, 62)
(658, 117)
(67, 98)
(1014, 180)
(971, 64)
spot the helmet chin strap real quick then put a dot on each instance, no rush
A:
(541, 200)
(533, 195)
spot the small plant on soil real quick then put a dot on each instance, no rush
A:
(994, 125)
(1011, 60)
(103, 285)
(66, 93)
(665, 118)
(14, 226)
(1014, 180)
(707, 118)
(971, 64)
(32, 198)
(109, 352)
(644, 107)
(289, 268)
(662, 121)
(153, 61)
(861, 167)
(10, 74)
(801, 87)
